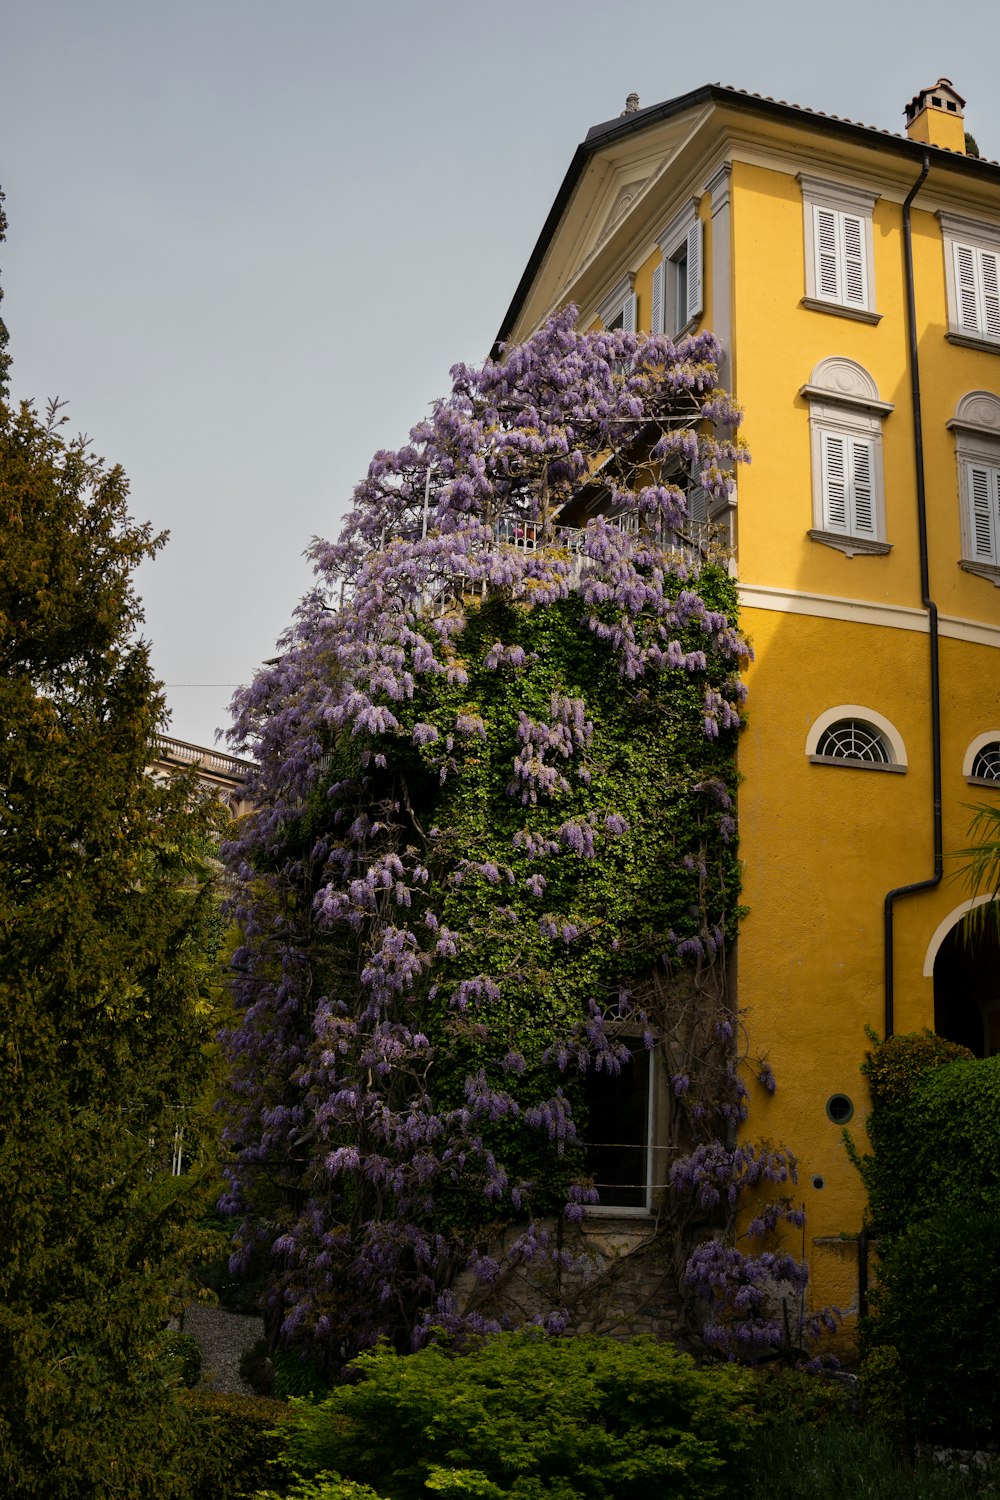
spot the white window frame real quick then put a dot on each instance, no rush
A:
(884, 727)
(620, 302)
(981, 742)
(839, 255)
(845, 422)
(679, 278)
(972, 281)
(976, 425)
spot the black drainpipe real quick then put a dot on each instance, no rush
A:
(928, 603)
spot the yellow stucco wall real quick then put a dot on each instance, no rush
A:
(823, 844)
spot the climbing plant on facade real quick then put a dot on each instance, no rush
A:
(493, 857)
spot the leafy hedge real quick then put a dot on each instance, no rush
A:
(234, 1443)
(528, 1416)
(934, 1344)
(922, 1155)
(933, 1179)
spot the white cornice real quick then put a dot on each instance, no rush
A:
(866, 612)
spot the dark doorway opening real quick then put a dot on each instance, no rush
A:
(967, 990)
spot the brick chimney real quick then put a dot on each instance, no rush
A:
(935, 117)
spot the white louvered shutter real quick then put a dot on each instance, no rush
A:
(854, 278)
(827, 254)
(835, 482)
(694, 276)
(983, 512)
(656, 315)
(966, 290)
(862, 489)
(628, 318)
(697, 507)
(989, 265)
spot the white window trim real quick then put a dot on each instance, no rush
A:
(818, 193)
(871, 716)
(972, 233)
(621, 299)
(844, 402)
(990, 737)
(684, 237)
(976, 425)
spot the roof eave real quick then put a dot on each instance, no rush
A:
(600, 136)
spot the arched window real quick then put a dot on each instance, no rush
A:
(856, 736)
(853, 739)
(982, 759)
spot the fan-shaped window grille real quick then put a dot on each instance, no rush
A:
(853, 739)
(986, 766)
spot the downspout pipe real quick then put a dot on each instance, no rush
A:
(928, 603)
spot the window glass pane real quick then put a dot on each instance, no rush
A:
(617, 1134)
(986, 766)
(851, 739)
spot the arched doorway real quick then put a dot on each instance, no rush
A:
(967, 988)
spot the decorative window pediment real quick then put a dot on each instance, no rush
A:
(976, 425)
(972, 280)
(840, 267)
(845, 419)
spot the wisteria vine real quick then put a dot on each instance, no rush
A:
(493, 845)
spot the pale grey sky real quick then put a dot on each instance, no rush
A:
(247, 240)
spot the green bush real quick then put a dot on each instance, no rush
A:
(527, 1416)
(238, 1444)
(936, 1306)
(323, 1487)
(786, 1395)
(180, 1355)
(923, 1152)
(882, 1390)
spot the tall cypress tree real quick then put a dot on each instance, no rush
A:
(103, 906)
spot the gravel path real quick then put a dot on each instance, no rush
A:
(223, 1337)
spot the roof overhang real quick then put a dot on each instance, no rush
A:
(680, 136)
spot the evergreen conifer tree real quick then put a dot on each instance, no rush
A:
(103, 905)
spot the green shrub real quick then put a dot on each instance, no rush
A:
(785, 1395)
(936, 1305)
(180, 1355)
(932, 1128)
(894, 1068)
(238, 1448)
(882, 1390)
(524, 1415)
(323, 1487)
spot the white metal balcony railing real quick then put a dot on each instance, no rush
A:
(531, 536)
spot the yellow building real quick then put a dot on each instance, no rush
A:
(853, 277)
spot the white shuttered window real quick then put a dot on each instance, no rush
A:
(678, 281)
(983, 499)
(977, 290)
(841, 257)
(848, 485)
